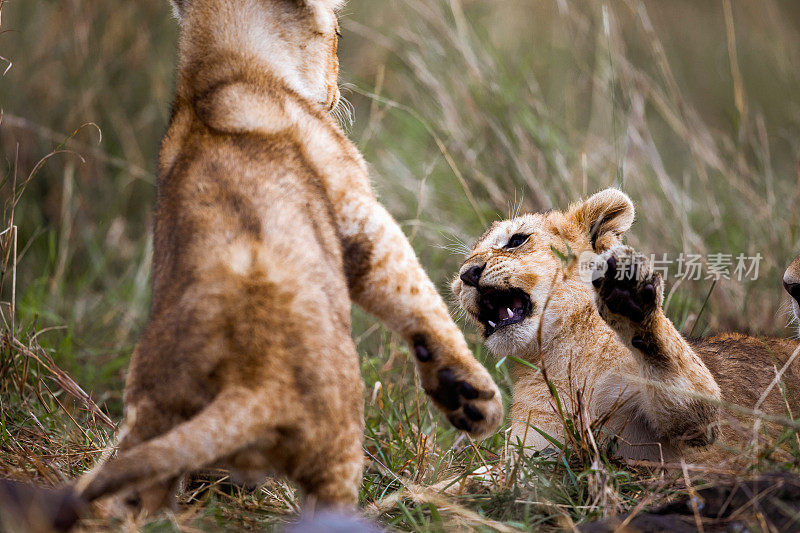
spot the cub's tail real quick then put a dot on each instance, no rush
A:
(234, 420)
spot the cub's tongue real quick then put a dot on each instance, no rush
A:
(508, 311)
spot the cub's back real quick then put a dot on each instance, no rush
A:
(226, 193)
(746, 366)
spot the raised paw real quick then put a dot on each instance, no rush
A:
(462, 389)
(628, 287)
(474, 408)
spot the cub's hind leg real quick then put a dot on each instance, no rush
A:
(319, 449)
(332, 477)
(159, 495)
(326, 450)
(629, 296)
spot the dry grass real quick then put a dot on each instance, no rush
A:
(468, 110)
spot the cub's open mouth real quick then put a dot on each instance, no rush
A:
(501, 308)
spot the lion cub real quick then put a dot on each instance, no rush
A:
(266, 229)
(610, 338)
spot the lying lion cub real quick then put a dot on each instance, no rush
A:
(612, 340)
(266, 228)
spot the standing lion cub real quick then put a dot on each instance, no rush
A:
(266, 229)
(664, 395)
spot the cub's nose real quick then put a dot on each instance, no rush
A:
(472, 275)
(792, 288)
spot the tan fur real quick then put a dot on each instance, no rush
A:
(266, 228)
(661, 391)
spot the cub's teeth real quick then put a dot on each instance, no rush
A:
(491, 323)
(510, 313)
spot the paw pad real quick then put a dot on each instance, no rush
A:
(422, 353)
(628, 287)
(461, 400)
(473, 413)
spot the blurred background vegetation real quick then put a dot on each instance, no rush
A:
(466, 111)
(463, 109)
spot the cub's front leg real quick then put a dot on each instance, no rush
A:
(629, 296)
(387, 280)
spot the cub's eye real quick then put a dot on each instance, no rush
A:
(339, 34)
(516, 240)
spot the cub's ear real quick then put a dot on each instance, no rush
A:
(604, 217)
(179, 7)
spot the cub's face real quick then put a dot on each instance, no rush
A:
(512, 274)
(791, 281)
